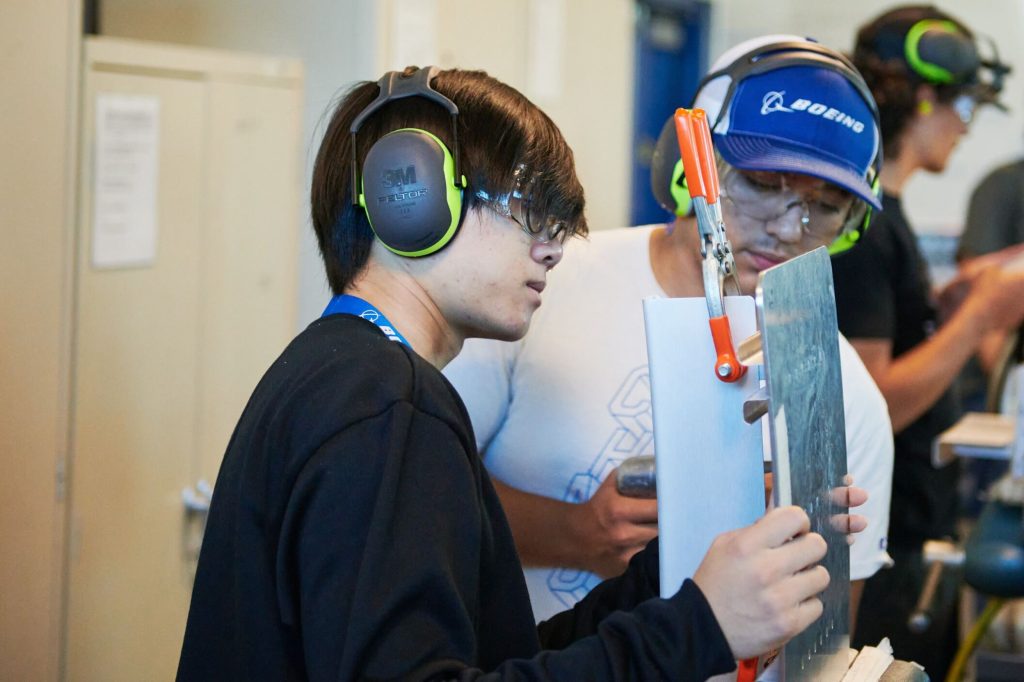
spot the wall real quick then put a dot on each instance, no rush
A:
(577, 68)
(335, 39)
(936, 204)
(574, 58)
(37, 162)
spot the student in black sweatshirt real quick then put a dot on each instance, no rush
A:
(354, 533)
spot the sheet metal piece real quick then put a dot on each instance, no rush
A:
(797, 316)
(708, 460)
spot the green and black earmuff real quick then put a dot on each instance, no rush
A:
(668, 182)
(852, 234)
(409, 184)
(940, 52)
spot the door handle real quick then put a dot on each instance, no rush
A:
(197, 499)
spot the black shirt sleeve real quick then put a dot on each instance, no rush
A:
(864, 288)
(383, 562)
(994, 213)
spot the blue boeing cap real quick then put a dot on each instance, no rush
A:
(799, 118)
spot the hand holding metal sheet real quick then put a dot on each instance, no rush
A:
(763, 581)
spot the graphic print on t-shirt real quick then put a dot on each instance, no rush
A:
(633, 435)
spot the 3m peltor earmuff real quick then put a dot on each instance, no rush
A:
(409, 183)
(668, 182)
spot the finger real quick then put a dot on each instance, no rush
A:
(857, 523)
(636, 510)
(797, 555)
(779, 526)
(855, 496)
(808, 611)
(640, 535)
(840, 523)
(848, 524)
(804, 585)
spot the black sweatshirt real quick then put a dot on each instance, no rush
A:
(354, 534)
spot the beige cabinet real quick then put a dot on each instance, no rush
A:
(166, 352)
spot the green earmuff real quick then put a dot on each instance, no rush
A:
(848, 238)
(952, 45)
(409, 184)
(680, 192)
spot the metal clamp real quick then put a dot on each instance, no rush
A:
(938, 554)
(719, 264)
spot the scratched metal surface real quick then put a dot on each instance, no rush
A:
(796, 312)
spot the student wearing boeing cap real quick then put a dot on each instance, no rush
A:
(928, 76)
(556, 413)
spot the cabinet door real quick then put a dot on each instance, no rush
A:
(250, 250)
(134, 409)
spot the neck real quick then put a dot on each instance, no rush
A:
(897, 171)
(675, 259)
(411, 310)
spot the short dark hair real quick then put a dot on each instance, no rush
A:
(499, 129)
(878, 55)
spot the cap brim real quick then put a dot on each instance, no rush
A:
(759, 153)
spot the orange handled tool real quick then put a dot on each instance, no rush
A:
(747, 670)
(702, 182)
(695, 147)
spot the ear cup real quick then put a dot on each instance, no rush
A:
(847, 240)
(938, 51)
(409, 192)
(667, 181)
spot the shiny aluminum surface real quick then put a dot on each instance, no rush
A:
(797, 316)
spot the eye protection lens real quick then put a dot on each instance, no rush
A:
(767, 197)
(965, 107)
(517, 205)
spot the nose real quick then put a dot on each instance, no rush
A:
(547, 254)
(788, 227)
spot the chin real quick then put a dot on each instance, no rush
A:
(501, 331)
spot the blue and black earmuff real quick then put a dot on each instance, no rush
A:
(667, 180)
(410, 184)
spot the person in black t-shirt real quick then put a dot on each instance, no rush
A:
(353, 532)
(927, 77)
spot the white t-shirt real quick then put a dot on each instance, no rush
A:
(557, 411)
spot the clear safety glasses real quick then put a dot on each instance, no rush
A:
(518, 206)
(766, 197)
(965, 107)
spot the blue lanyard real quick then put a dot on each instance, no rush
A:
(353, 305)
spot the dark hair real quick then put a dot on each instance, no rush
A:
(879, 56)
(498, 129)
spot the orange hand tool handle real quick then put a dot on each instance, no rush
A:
(707, 153)
(747, 671)
(727, 364)
(698, 155)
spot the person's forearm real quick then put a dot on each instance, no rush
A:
(543, 528)
(914, 381)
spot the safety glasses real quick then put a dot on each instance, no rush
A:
(965, 107)
(518, 206)
(767, 197)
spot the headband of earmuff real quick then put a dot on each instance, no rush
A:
(410, 184)
(667, 179)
